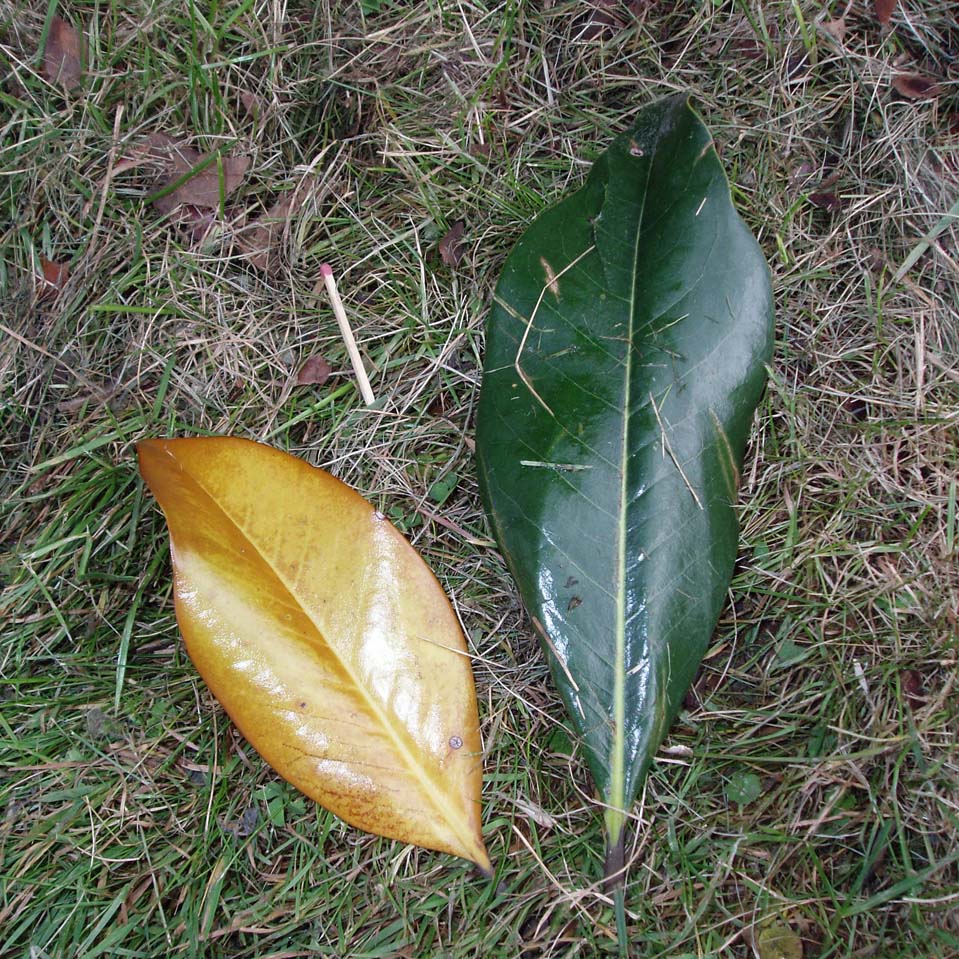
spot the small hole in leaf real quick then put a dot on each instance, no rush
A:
(456, 742)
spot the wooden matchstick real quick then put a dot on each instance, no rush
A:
(366, 391)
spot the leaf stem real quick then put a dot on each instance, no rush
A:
(622, 940)
(614, 871)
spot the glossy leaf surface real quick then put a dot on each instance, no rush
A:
(325, 637)
(625, 356)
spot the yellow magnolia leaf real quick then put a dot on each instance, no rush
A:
(325, 637)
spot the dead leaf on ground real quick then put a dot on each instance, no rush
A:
(451, 246)
(739, 42)
(802, 170)
(137, 159)
(884, 9)
(915, 87)
(90, 395)
(605, 19)
(200, 189)
(244, 826)
(797, 68)
(261, 240)
(196, 221)
(522, 831)
(251, 103)
(326, 663)
(836, 29)
(912, 687)
(826, 201)
(314, 372)
(947, 149)
(63, 55)
(54, 276)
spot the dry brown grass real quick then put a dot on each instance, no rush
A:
(833, 675)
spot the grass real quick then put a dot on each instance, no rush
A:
(135, 821)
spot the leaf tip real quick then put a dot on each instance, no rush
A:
(472, 848)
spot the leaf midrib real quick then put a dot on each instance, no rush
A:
(617, 799)
(459, 826)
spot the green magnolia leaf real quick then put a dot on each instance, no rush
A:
(625, 356)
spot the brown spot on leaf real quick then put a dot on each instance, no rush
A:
(574, 603)
(913, 86)
(191, 177)
(63, 55)
(314, 372)
(451, 246)
(884, 9)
